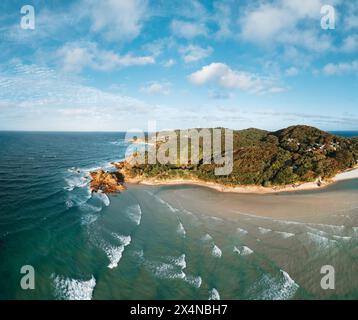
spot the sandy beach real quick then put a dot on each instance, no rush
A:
(347, 175)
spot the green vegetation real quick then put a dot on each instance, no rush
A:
(294, 154)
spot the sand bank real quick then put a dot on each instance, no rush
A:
(349, 174)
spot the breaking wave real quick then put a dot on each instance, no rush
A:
(355, 230)
(285, 235)
(134, 213)
(207, 237)
(103, 197)
(320, 241)
(264, 230)
(73, 289)
(194, 281)
(75, 182)
(181, 231)
(173, 269)
(244, 251)
(343, 238)
(241, 231)
(170, 207)
(214, 294)
(216, 251)
(114, 253)
(282, 287)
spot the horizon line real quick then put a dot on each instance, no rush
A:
(119, 131)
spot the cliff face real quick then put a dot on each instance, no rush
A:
(107, 182)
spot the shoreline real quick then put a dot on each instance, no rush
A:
(249, 189)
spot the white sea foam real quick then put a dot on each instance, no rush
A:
(87, 207)
(328, 227)
(188, 212)
(355, 230)
(69, 204)
(241, 231)
(275, 288)
(168, 271)
(217, 219)
(117, 143)
(124, 240)
(216, 251)
(317, 231)
(77, 199)
(171, 269)
(207, 237)
(264, 230)
(134, 213)
(344, 238)
(181, 231)
(320, 241)
(75, 182)
(244, 251)
(159, 199)
(195, 281)
(73, 289)
(91, 213)
(114, 253)
(214, 294)
(180, 262)
(316, 228)
(74, 170)
(150, 193)
(171, 208)
(88, 219)
(285, 235)
(103, 197)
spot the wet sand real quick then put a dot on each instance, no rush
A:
(308, 205)
(296, 232)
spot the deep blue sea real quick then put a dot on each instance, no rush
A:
(347, 134)
(151, 242)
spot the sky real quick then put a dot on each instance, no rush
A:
(114, 65)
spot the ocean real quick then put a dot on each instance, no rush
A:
(161, 242)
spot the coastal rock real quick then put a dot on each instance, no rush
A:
(107, 182)
(123, 165)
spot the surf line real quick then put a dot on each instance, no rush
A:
(144, 310)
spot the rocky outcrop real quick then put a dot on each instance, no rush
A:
(107, 182)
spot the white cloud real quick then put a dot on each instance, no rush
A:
(188, 30)
(157, 88)
(351, 22)
(222, 16)
(350, 19)
(115, 19)
(292, 71)
(219, 95)
(47, 98)
(283, 22)
(193, 53)
(169, 63)
(342, 68)
(266, 22)
(76, 56)
(350, 44)
(224, 76)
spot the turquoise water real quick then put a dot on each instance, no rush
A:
(178, 242)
